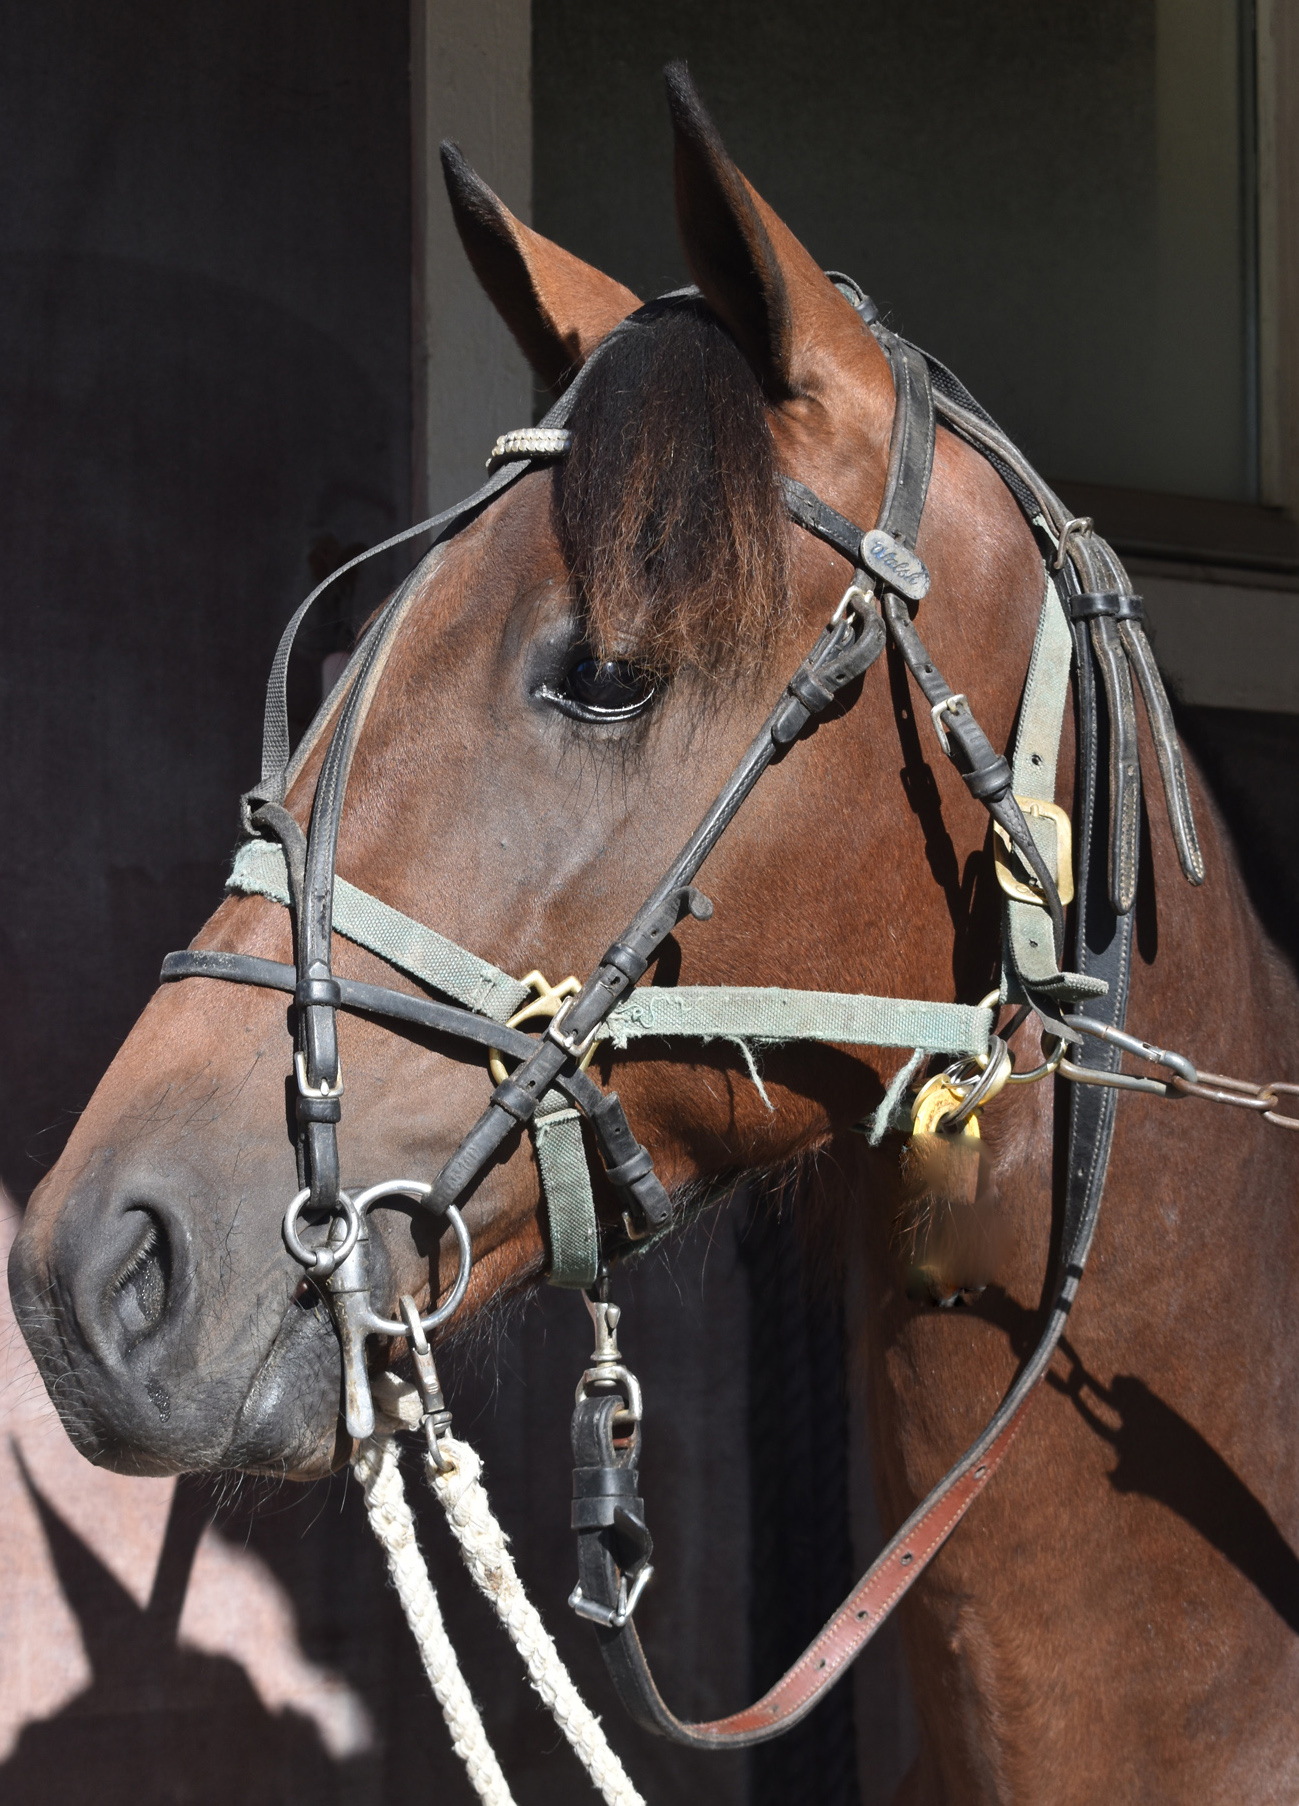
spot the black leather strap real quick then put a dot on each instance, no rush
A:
(1103, 943)
(911, 445)
(1110, 604)
(818, 517)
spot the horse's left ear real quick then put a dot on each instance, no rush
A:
(557, 307)
(783, 311)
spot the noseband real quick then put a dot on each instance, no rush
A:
(1090, 627)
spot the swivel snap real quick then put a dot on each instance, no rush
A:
(607, 1372)
(436, 1421)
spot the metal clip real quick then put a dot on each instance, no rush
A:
(1123, 1081)
(607, 1372)
(855, 597)
(1082, 524)
(436, 1421)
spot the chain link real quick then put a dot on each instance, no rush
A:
(1216, 1088)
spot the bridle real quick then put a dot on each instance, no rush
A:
(1090, 628)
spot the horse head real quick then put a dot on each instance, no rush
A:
(573, 678)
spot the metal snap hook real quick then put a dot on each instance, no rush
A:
(419, 1191)
(321, 1262)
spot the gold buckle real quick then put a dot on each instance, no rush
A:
(1026, 890)
(548, 1002)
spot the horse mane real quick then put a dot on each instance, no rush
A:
(668, 508)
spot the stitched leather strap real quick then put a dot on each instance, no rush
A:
(1103, 941)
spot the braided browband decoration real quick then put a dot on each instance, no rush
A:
(530, 442)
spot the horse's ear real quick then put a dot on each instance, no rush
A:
(557, 307)
(778, 305)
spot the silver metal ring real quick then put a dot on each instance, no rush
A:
(417, 1189)
(984, 1088)
(321, 1262)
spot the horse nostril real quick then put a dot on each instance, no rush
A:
(139, 1293)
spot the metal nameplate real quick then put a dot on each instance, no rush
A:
(889, 559)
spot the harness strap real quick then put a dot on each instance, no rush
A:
(608, 1555)
(762, 1013)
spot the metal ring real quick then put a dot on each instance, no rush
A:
(1043, 1071)
(984, 1088)
(321, 1262)
(417, 1189)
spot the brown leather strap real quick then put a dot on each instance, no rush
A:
(876, 1594)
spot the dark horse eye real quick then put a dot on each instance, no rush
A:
(607, 689)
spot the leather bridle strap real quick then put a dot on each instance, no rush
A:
(608, 1516)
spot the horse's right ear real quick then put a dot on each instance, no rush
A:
(557, 307)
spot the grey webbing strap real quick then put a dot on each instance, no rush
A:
(1033, 767)
(421, 952)
(566, 1185)
(694, 1012)
(770, 1013)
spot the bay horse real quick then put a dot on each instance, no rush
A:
(575, 676)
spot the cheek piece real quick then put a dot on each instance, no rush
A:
(1090, 625)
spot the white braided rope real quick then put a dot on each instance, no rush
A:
(390, 1518)
(486, 1553)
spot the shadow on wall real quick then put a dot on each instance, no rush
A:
(182, 1725)
(196, 1644)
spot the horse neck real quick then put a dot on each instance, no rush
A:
(1158, 1456)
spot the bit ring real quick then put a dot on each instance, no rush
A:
(321, 1262)
(420, 1191)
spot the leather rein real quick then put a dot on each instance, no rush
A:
(1091, 627)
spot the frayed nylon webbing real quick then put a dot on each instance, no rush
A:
(749, 1013)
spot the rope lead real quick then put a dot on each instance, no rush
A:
(485, 1551)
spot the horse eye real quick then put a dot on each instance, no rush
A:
(608, 689)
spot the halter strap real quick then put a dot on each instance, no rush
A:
(547, 1084)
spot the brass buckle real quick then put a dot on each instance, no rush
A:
(548, 1002)
(1010, 880)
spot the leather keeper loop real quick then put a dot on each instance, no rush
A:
(624, 959)
(324, 993)
(636, 1167)
(605, 1482)
(319, 1109)
(810, 691)
(988, 781)
(513, 1099)
(1091, 605)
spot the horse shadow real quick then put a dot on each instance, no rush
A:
(158, 1724)
(1160, 1456)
